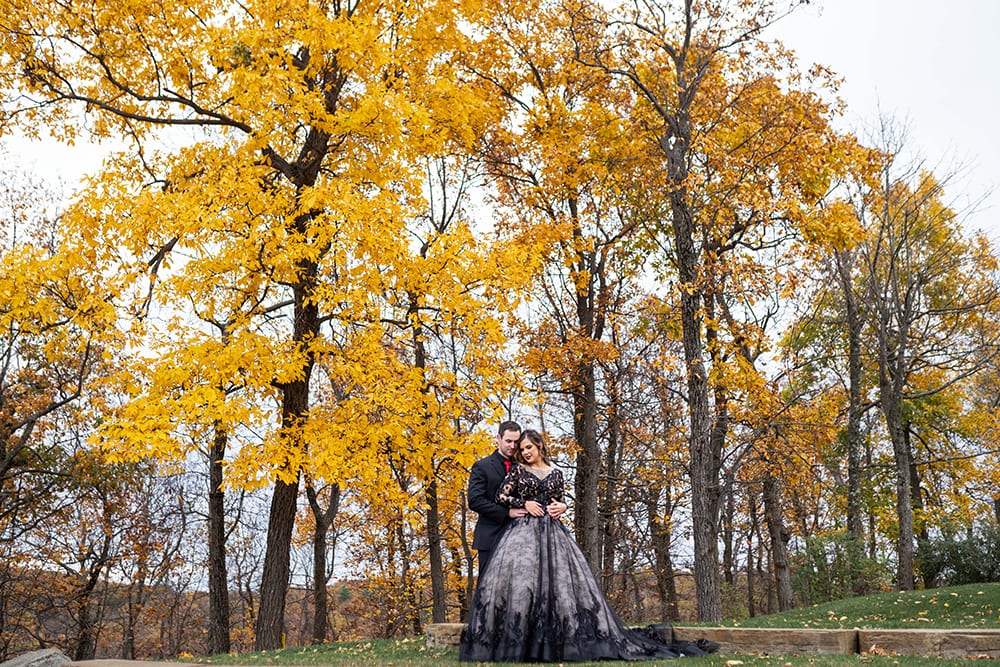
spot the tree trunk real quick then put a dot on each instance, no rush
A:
(660, 534)
(904, 507)
(872, 519)
(704, 466)
(218, 578)
(853, 321)
(438, 609)
(779, 545)
(916, 496)
(704, 475)
(322, 520)
(609, 498)
(470, 588)
(433, 521)
(88, 627)
(270, 628)
(751, 578)
(321, 603)
(85, 647)
(728, 533)
(133, 607)
(86, 638)
(586, 520)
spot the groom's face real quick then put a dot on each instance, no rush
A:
(507, 443)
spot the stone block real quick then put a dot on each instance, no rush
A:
(443, 635)
(932, 643)
(941, 643)
(47, 657)
(774, 641)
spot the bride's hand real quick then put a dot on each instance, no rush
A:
(556, 509)
(534, 508)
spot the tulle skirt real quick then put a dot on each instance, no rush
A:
(538, 601)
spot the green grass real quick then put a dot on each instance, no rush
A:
(411, 653)
(976, 606)
(972, 606)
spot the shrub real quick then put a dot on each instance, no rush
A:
(950, 561)
(833, 566)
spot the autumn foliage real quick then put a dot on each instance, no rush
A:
(334, 243)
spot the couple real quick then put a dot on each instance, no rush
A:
(536, 599)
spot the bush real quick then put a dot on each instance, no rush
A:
(951, 561)
(833, 566)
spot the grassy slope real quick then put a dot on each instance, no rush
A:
(972, 606)
(957, 607)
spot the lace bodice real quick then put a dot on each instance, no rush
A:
(522, 484)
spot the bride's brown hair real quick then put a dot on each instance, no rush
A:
(536, 439)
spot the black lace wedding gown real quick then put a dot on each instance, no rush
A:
(537, 600)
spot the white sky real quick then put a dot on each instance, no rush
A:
(930, 64)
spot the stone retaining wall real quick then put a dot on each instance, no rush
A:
(782, 641)
(950, 643)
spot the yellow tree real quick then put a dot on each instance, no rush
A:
(57, 335)
(905, 316)
(744, 150)
(931, 295)
(565, 160)
(290, 191)
(415, 377)
(188, 393)
(982, 423)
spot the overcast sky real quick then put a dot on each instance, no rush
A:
(930, 64)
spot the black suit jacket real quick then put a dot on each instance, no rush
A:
(484, 481)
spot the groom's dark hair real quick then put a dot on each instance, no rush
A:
(508, 426)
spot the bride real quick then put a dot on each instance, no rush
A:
(537, 600)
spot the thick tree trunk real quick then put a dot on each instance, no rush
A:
(218, 579)
(270, 627)
(704, 465)
(779, 544)
(704, 490)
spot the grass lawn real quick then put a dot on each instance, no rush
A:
(972, 606)
(975, 606)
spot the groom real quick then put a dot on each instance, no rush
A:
(484, 480)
